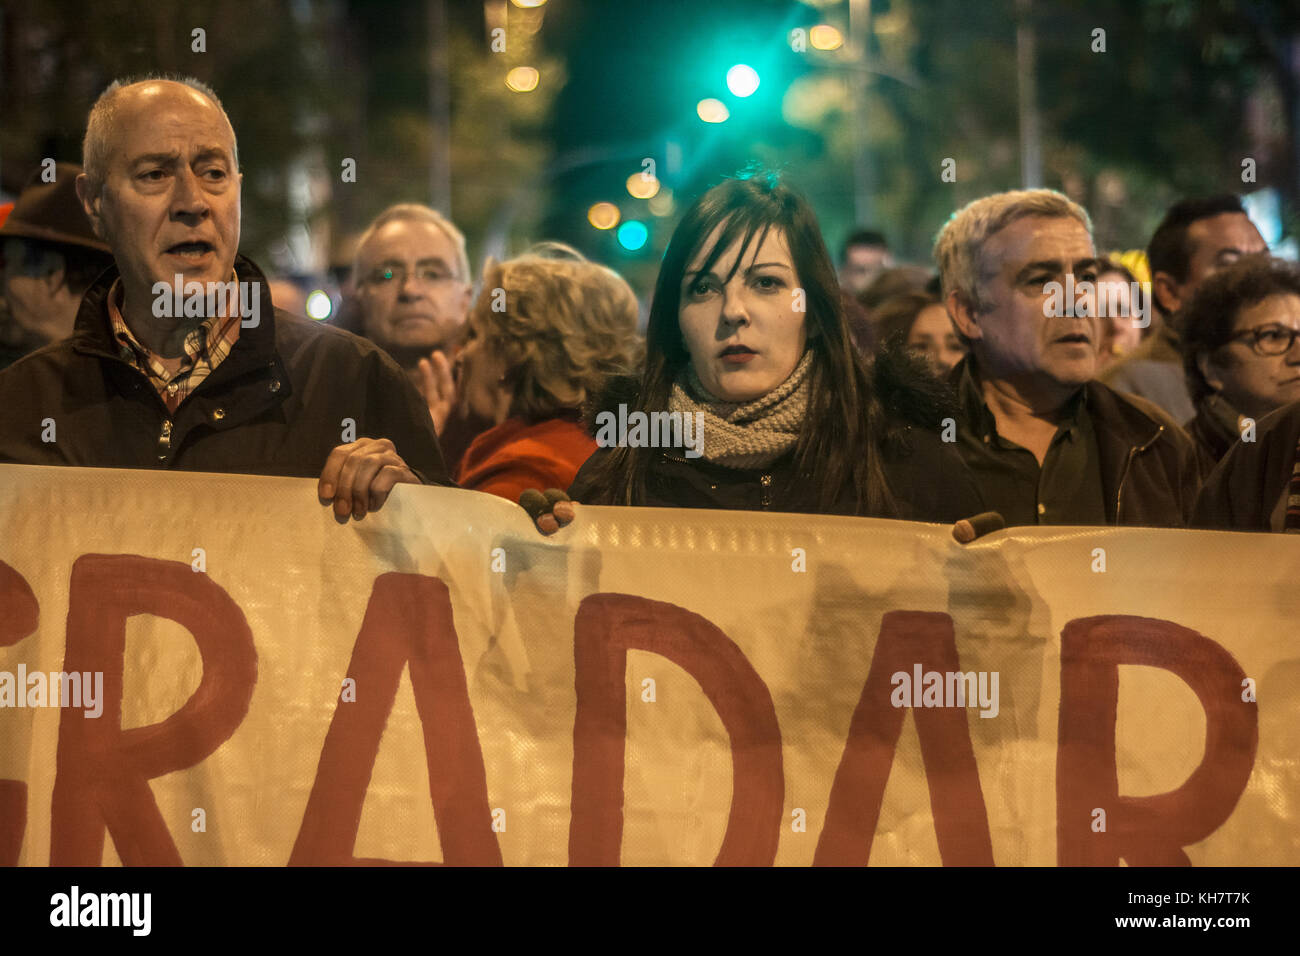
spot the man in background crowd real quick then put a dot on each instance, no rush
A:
(411, 293)
(1196, 238)
(51, 256)
(864, 256)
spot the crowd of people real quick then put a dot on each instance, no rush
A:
(1027, 374)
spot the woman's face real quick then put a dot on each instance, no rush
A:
(933, 336)
(1119, 334)
(746, 334)
(479, 374)
(1257, 384)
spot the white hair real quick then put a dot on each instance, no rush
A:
(960, 242)
(414, 212)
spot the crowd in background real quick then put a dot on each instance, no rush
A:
(1023, 372)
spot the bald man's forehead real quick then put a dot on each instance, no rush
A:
(156, 94)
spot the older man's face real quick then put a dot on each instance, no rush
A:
(409, 286)
(1022, 336)
(170, 201)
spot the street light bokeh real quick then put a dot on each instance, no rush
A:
(712, 111)
(604, 215)
(641, 186)
(825, 37)
(523, 79)
(632, 235)
(742, 80)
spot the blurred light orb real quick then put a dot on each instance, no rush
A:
(632, 235)
(526, 4)
(662, 204)
(641, 186)
(319, 305)
(604, 215)
(523, 79)
(712, 111)
(742, 80)
(825, 37)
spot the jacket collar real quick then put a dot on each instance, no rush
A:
(979, 419)
(92, 333)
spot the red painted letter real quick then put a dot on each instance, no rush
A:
(103, 772)
(19, 613)
(960, 819)
(606, 628)
(1144, 831)
(408, 618)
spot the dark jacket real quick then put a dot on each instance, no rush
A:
(276, 405)
(1247, 491)
(1149, 470)
(1214, 430)
(926, 477)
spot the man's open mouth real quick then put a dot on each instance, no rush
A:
(1075, 338)
(190, 249)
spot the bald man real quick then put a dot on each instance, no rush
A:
(179, 359)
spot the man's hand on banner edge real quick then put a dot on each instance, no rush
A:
(358, 477)
(550, 510)
(968, 529)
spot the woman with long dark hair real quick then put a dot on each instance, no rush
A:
(748, 348)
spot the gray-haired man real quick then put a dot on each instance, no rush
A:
(1046, 443)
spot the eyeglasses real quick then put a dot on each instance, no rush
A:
(395, 276)
(1271, 339)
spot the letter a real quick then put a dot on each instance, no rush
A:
(408, 625)
(956, 800)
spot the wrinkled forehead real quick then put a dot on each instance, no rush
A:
(1029, 239)
(768, 244)
(165, 116)
(407, 241)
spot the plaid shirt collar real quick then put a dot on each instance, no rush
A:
(205, 347)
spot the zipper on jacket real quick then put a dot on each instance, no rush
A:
(765, 491)
(1128, 462)
(165, 440)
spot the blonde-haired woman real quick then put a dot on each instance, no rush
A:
(543, 336)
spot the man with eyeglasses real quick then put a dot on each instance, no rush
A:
(411, 295)
(1239, 350)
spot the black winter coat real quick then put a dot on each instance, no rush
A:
(1246, 491)
(927, 478)
(276, 405)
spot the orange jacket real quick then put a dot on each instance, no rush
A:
(514, 456)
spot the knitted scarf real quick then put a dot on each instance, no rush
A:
(746, 434)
